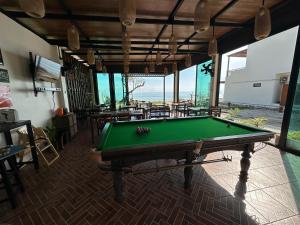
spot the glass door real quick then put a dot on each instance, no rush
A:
(203, 84)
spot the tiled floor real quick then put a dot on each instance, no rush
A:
(75, 191)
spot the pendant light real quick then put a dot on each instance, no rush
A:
(33, 8)
(201, 17)
(188, 58)
(172, 43)
(73, 38)
(99, 66)
(213, 45)
(152, 65)
(174, 65)
(127, 12)
(262, 27)
(166, 70)
(146, 70)
(126, 43)
(126, 68)
(90, 56)
(158, 57)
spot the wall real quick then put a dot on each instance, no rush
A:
(15, 43)
(265, 59)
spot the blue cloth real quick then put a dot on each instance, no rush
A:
(12, 150)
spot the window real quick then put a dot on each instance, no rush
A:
(203, 84)
(187, 84)
(120, 92)
(169, 88)
(103, 88)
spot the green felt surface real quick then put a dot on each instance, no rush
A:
(123, 135)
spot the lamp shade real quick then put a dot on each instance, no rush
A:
(127, 12)
(152, 67)
(172, 45)
(146, 70)
(188, 60)
(99, 66)
(174, 67)
(213, 47)
(166, 70)
(33, 8)
(158, 58)
(73, 38)
(201, 17)
(90, 56)
(262, 27)
(126, 43)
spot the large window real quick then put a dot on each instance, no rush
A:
(187, 84)
(169, 88)
(203, 84)
(120, 92)
(103, 88)
(146, 89)
(293, 139)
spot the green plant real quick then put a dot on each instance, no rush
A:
(294, 135)
(232, 113)
(257, 122)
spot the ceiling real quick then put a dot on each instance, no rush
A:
(101, 29)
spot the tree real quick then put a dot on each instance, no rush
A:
(135, 83)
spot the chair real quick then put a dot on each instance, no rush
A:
(215, 111)
(42, 143)
(160, 112)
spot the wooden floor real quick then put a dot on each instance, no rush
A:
(74, 191)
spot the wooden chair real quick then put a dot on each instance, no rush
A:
(215, 111)
(42, 143)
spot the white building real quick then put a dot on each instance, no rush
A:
(258, 83)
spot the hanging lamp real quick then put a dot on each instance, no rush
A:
(126, 43)
(174, 65)
(213, 45)
(152, 65)
(166, 70)
(188, 58)
(126, 68)
(73, 38)
(33, 8)
(262, 27)
(99, 66)
(172, 43)
(158, 57)
(90, 56)
(201, 17)
(146, 70)
(127, 12)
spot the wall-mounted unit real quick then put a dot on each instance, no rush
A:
(46, 69)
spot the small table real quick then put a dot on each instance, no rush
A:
(6, 127)
(197, 111)
(10, 157)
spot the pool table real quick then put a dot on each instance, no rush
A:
(176, 138)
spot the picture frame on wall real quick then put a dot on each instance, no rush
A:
(1, 59)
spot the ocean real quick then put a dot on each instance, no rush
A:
(158, 96)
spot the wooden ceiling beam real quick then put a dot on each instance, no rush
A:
(138, 53)
(63, 42)
(55, 16)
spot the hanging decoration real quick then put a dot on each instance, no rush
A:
(90, 56)
(166, 70)
(213, 45)
(262, 27)
(33, 8)
(172, 43)
(73, 38)
(201, 17)
(188, 58)
(126, 43)
(158, 57)
(174, 67)
(152, 65)
(146, 70)
(99, 66)
(127, 12)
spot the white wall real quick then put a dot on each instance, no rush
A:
(265, 59)
(15, 43)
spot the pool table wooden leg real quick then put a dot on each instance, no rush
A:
(118, 185)
(188, 171)
(245, 162)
